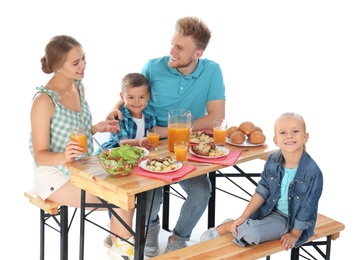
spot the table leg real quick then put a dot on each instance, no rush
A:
(140, 226)
(212, 177)
(166, 208)
(81, 232)
(212, 200)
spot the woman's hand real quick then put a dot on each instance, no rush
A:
(72, 150)
(111, 126)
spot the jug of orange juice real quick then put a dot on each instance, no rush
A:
(180, 123)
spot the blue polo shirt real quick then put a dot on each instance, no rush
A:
(170, 89)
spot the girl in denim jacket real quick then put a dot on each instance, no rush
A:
(285, 203)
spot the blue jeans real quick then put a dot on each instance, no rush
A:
(198, 191)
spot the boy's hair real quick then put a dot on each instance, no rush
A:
(196, 28)
(134, 80)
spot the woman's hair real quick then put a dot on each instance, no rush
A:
(196, 28)
(56, 52)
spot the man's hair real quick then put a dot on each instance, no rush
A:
(196, 28)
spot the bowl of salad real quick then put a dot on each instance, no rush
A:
(121, 161)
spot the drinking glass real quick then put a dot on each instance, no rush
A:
(220, 131)
(154, 137)
(181, 149)
(78, 133)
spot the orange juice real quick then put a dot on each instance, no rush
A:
(220, 135)
(181, 151)
(153, 138)
(177, 132)
(81, 138)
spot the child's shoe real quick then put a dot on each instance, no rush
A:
(122, 250)
(212, 232)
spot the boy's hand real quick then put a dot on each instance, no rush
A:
(144, 142)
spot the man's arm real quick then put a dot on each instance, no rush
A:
(215, 109)
(115, 112)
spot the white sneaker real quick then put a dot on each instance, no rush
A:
(212, 232)
(122, 250)
(108, 241)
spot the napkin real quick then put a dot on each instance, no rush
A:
(227, 160)
(165, 176)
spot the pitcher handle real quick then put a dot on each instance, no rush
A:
(192, 122)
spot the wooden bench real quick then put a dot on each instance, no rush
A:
(51, 210)
(223, 248)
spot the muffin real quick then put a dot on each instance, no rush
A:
(238, 137)
(257, 128)
(232, 130)
(257, 137)
(247, 127)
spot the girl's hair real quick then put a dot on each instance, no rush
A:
(56, 52)
(196, 28)
(294, 115)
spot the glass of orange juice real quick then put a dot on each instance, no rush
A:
(78, 133)
(181, 149)
(154, 137)
(220, 131)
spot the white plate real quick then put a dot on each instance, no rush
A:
(246, 143)
(212, 157)
(143, 166)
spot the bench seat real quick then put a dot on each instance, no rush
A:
(59, 214)
(46, 205)
(223, 248)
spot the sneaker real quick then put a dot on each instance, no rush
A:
(108, 241)
(174, 245)
(212, 232)
(122, 250)
(152, 241)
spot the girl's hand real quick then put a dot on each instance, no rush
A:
(288, 240)
(236, 223)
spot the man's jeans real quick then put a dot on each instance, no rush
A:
(198, 191)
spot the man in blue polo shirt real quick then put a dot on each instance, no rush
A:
(183, 80)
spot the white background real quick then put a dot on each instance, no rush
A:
(276, 56)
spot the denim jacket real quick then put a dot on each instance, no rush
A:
(303, 194)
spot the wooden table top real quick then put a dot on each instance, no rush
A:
(121, 191)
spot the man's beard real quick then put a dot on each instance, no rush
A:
(178, 65)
